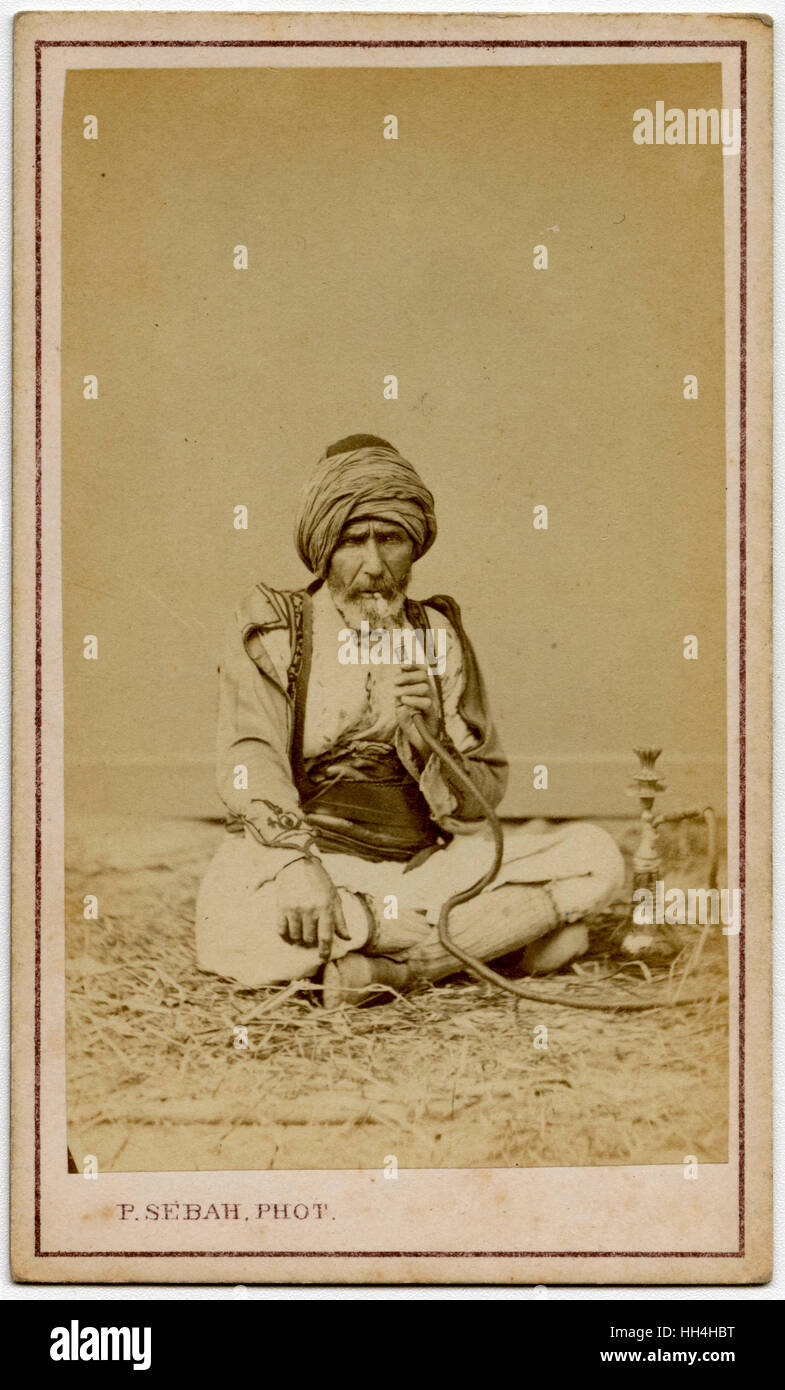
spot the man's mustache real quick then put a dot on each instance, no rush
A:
(385, 589)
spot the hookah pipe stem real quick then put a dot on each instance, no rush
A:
(479, 967)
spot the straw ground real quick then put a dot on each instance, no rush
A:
(446, 1076)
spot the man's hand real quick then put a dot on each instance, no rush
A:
(309, 908)
(414, 693)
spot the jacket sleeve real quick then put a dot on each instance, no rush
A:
(254, 775)
(468, 734)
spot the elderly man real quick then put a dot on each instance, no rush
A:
(347, 832)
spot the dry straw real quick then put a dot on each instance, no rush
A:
(447, 1075)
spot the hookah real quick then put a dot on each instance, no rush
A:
(646, 866)
(647, 863)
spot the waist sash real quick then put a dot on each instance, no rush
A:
(371, 819)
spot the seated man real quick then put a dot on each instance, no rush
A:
(347, 833)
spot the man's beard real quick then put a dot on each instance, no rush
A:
(382, 609)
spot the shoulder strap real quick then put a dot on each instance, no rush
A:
(299, 672)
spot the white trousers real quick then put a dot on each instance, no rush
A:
(236, 911)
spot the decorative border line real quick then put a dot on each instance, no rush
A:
(741, 45)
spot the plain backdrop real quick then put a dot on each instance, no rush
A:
(517, 387)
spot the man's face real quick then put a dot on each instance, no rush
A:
(369, 570)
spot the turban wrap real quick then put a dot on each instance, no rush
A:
(374, 482)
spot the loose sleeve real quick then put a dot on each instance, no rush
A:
(254, 775)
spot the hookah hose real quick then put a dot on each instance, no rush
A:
(478, 967)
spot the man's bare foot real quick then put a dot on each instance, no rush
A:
(350, 979)
(553, 951)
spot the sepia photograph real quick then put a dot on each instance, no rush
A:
(392, 755)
